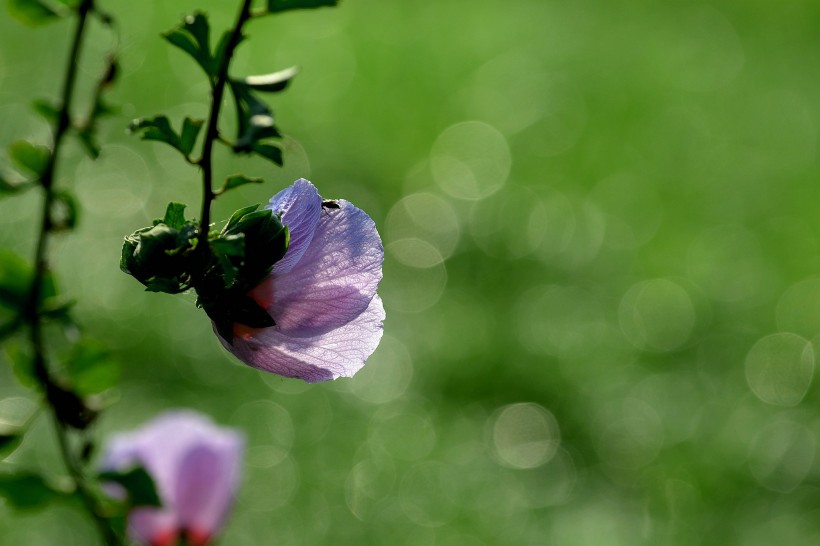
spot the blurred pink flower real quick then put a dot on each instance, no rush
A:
(322, 294)
(195, 466)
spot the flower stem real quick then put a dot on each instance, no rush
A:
(41, 266)
(212, 131)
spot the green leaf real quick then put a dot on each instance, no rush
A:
(237, 216)
(15, 282)
(15, 417)
(174, 215)
(9, 442)
(30, 157)
(22, 363)
(89, 142)
(275, 6)
(254, 118)
(8, 187)
(274, 82)
(237, 180)
(190, 130)
(90, 368)
(138, 483)
(31, 12)
(49, 112)
(268, 151)
(224, 248)
(192, 37)
(27, 491)
(159, 128)
(64, 211)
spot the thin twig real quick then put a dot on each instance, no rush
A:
(41, 267)
(212, 131)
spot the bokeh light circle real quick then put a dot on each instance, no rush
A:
(525, 435)
(782, 455)
(780, 368)
(657, 314)
(470, 160)
(427, 217)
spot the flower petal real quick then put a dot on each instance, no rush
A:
(155, 526)
(299, 206)
(338, 353)
(164, 447)
(206, 483)
(334, 281)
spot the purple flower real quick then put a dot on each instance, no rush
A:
(195, 466)
(321, 295)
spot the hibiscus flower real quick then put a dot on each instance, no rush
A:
(321, 295)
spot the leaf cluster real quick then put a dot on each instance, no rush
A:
(166, 257)
(256, 128)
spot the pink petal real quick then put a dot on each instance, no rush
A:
(299, 206)
(165, 447)
(154, 526)
(206, 483)
(335, 279)
(338, 353)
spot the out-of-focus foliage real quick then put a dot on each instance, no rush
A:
(602, 276)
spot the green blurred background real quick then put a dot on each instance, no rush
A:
(601, 271)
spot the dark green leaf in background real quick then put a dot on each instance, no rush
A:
(31, 12)
(274, 82)
(192, 36)
(30, 157)
(7, 187)
(22, 363)
(269, 151)
(275, 6)
(90, 368)
(159, 128)
(138, 483)
(15, 282)
(48, 111)
(237, 180)
(27, 491)
(174, 215)
(254, 118)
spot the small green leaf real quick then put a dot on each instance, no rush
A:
(275, 6)
(192, 37)
(22, 363)
(254, 118)
(15, 282)
(159, 128)
(174, 215)
(273, 82)
(229, 245)
(30, 157)
(15, 416)
(32, 12)
(64, 211)
(7, 187)
(138, 483)
(90, 368)
(190, 130)
(49, 112)
(89, 142)
(27, 491)
(237, 216)
(156, 128)
(237, 180)
(268, 151)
